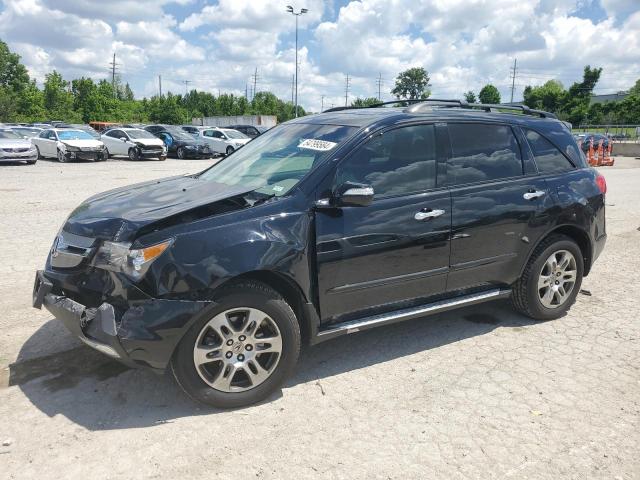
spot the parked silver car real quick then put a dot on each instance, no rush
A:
(14, 148)
(134, 143)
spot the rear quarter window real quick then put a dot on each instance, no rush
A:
(548, 158)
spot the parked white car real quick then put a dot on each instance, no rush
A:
(14, 148)
(222, 140)
(27, 132)
(135, 143)
(67, 144)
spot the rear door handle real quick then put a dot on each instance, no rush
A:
(425, 215)
(533, 195)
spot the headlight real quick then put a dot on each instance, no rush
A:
(71, 148)
(119, 257)
(190, 147)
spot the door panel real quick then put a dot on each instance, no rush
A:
(493, 229)
(380, 255)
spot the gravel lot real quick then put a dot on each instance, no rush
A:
(476, 393)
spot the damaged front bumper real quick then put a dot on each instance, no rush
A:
(143, 335)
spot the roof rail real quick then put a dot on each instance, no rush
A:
(375, 105)
(487, 107)
(420, 105)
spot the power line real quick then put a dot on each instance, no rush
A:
(255, 81)
(513, 77)
(347, 84)
(114, 66)
(186, 86)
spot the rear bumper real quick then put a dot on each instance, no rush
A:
(143, 335)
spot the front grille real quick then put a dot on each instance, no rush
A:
(15, 150)
(71, 250)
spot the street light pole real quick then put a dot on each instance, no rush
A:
(293, 12)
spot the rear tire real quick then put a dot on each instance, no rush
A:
(31, 162)
(545, 292)
(241, 389)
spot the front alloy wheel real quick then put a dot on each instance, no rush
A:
(241, 350)
(237, 349)
(134, 154)
(61, 157)
(181, 153)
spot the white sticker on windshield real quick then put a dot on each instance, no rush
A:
(313, 144)
(278, 188)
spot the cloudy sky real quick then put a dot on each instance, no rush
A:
(217, 45)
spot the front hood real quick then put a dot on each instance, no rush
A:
(14, 143)
(83, 143)
(118, 214)
(149, 142)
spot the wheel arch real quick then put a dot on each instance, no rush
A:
(290, 291)
(578, 235)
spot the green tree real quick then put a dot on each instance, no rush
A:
(412, 84)
(128, 93)
(85, 98)
(14, 80)
(470, 97)
(549, 96)
(575, 105)
(365, 102)
(58, 100)
(489, 94)
(635, 90)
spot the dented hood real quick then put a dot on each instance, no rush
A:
(118, 214)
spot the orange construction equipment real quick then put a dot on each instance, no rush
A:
(607, 159)
(591, 157)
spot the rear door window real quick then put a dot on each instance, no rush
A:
(548, 158)
(482, 152)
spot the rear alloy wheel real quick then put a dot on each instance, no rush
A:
(230, 150)
(242, 351)
(134, 154)
(551, 280)
(61, 157)
(181, 153)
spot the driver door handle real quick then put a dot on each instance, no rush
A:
(428, 214)
(533, 195)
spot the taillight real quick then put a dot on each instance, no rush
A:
(602, 184)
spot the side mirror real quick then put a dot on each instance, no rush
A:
(124, 139)
(351, 194)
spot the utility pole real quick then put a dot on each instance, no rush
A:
(160, 84)
(513, 78)
(347, 84)
(255, 81)
(292, 11)
(186, 86)
(379, 83)
(113, 74)
(322, 103)
(246, 90)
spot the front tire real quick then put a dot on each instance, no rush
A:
(180, 153)
(230, 150)
(551, 280)
(242, 351)
(39, 156)
(134, 155)
(61, 157)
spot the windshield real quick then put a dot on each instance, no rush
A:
(73, 135)
(234, 134)
(9, 134)
(180, 135)
(275, 162)
(140, 134)
(29, 132)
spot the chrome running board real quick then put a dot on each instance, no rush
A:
(354, 326)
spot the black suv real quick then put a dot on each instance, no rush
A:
(327, 225)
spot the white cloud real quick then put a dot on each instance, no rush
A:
(464, 44)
